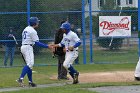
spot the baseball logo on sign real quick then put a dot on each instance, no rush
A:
(110, 26)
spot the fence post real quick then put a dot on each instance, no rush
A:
(90, 24)
(83, 31)
(139, 24)
(28, 11)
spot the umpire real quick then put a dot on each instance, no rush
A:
(62, 72)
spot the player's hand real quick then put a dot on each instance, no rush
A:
(71, 48)
(64, 50)
(55, 45)
(50, 46)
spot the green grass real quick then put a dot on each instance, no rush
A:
(9, 75)
(99, 56)
(79, 88)
(127, 58)
(63, 89)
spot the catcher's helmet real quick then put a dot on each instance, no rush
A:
(33, 21)
(66, 26)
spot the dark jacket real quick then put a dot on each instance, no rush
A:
(10, 41)
(58, 37)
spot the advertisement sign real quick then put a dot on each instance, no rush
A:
(115, 26)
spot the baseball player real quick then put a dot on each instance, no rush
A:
(71, 42)
(29, 38)
(137, 71)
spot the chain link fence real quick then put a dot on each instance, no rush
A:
(114, 49)
(15, 14)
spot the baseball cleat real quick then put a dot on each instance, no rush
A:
(31, 84)
(137, 78)
(63, 78)
(75, 79)
(20, 81)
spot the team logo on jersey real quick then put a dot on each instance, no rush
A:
(67, 40)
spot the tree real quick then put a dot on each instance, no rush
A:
(117, 42)
(48, 14)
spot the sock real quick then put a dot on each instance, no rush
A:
(24, 71)
(72, 71)
(71, 74)
(29, 74)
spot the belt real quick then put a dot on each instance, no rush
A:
(28, 44)
(71, 50)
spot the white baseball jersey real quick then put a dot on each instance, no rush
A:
(68, 40)
(29, 36)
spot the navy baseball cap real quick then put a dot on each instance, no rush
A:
(33, 21)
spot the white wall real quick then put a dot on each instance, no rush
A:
(135, 3)
(95, 6)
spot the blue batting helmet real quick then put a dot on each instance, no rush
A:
(33, 21)
(66, 26)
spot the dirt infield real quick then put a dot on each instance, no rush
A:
(114, 76)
